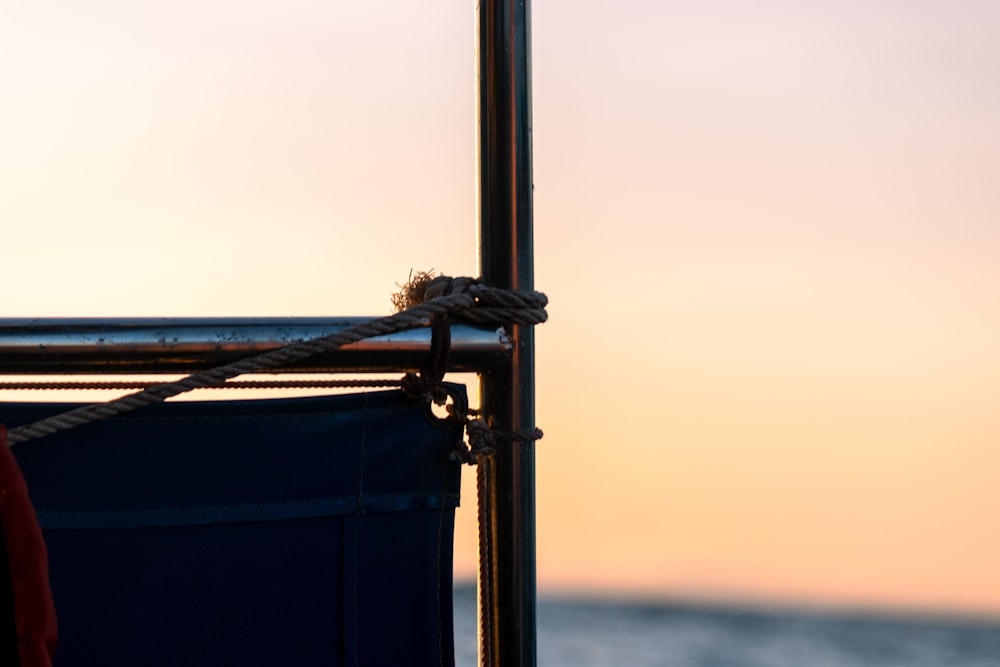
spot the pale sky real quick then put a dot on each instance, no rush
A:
(770, 234)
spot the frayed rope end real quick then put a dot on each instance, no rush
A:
(413, 292)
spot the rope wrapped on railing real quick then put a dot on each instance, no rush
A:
(425, 300)
(427, 386)
(111, 385)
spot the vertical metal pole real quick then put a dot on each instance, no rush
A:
(507, 479)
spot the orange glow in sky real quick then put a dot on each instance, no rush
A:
(770, 238)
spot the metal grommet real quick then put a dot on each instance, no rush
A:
(454, 409)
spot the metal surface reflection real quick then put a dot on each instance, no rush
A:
(177, 345)
(507, 479)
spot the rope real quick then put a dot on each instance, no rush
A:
(233, 384)
(483, 440)
(487, 563)
(462, 298)
(426, 385)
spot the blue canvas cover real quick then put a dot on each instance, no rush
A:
(305, 531)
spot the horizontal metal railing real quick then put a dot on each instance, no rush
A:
(65, 346)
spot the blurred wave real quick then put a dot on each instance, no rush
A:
(594, 633)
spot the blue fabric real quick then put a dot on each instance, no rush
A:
(310, 531)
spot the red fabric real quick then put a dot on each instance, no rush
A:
(28, 564)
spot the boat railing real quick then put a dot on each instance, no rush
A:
(505, 359)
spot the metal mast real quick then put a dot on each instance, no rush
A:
(507, 480)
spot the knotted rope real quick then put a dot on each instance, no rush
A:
(483, 440)
(427, 386)
(465, 299)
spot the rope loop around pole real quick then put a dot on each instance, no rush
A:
(488, 305)
(426, 300)
(492, 305)
(483, 440)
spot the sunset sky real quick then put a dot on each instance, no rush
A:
(770, 234)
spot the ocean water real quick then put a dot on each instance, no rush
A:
(588, 633)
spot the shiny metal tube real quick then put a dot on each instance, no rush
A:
(181, 345)
(507, 479)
